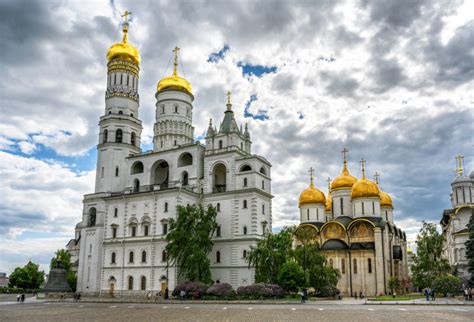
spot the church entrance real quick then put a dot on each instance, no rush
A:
(164, 286)
(112, 289)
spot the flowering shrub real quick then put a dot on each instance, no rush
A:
(261, 290)
(221, 290)
(190, 288)
(447, 284)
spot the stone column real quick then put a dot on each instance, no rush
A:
(379, 279)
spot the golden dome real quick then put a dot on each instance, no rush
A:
(123, 50)
(329, 203)
(312, 195)
(385, 200)
(345, 180)
(365, 188)
(174, 81)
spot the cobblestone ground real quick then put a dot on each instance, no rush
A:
(63, 311)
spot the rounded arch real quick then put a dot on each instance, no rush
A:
(160, 172)
(143, 283)
(263, 171)
(185, 159)
(219, 176)
(143, 256)
(357, 220)
(137, 167)
(92, 217)
(333, 230)
(245, 167)
(334, 244)
(118, 136)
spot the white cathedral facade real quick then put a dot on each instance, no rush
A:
(119, 245)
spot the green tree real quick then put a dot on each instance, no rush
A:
(470, 248)
(291, 277)
(65, 257)
(428, 263)
(393, 284)
(28, 276)
(447, 284)
(190, 241)
(270, 254)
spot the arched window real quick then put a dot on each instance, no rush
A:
(114, 232)
(244, 253)
(218, 257)
(160, 174)
(143, 256)
(263, 185)
(343, 266)
(130, 257)
(246, 168)
(143, 283)
(220, 178)
(118, 136)
(92, 217)
(133, 139)
(116, 171)
(369, 264)
(176, 109)
(137, 167)
(262, 171)
(131, 114)
(220, 144)
(112, 258)
(245, 182)
(164, 256)
(120, 112)
(106, 136)
(166, 207)
(263, 209)
(136, 185)
(184, 178)
(146, 229)
(218, 207)
(185, 159)
(218, 231)
(115, 212)
(244, 204)
(130, 282)
(355, 266)
(165, 228)
(245, 230)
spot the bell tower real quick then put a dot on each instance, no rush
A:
(120, 127)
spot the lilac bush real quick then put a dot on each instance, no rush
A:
(190, 288)
(221, 290)
(261, 290)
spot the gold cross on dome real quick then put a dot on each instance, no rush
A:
(362, 163)
(376, 176)
(328, 180)
(125, 15)
(311, 172)
(344, 154)
(228, 96)
(459, 167)
(175, 63)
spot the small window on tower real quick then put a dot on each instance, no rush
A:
(114, 232)
(307, 214)
(245, 230)
(118, 136)
(245, 182)
(244, 204)
(133, 138)
(263, 209)
(106, 136)
(218, 206)
(175, 142)
(220, 144)
(218, 231)
(102, 172)
(115, 212)
(162, 109)
(116, 171)
(176, 109)
(120, 112)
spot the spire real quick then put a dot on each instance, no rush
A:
(376, 177)
(246, 132)
(125, 25)
(362, 163)
(328, 180)
(210, 129)
(344, 156)
(459, 165)
(311, 172)
(175, 61)
(229, 104)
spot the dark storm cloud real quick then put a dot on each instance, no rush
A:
(387, 75)
(395, 13)
(339, 84)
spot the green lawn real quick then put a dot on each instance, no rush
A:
(396, 298)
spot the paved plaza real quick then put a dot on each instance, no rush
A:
(84, 311)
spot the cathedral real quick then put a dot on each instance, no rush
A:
(119, 245)
(455, 219)
(356, 232)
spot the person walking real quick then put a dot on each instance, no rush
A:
(427, 293)
(433, 294)
(471, 291)
(22, 297)
(302, 296)
(466, 294)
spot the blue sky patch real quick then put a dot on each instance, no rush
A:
(262, 115)
(215, 57)
(257, 70)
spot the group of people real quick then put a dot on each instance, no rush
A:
(430, 292)
(20, 298)
(468, 293)
(77, 296)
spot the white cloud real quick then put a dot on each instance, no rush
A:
(26, 147)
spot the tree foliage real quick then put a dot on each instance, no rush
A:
(428, 263)
(190, 241)
(470, 248)
(270, 254)
(27, 277)
(291, 277)
(447, 284)
(65, 257)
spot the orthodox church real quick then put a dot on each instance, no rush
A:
(455, 219)
(355, 229)
(119, 245)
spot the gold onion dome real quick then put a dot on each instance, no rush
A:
(365, 188)
(385, 200)
(345, 180)
(329, 203)
(174, 81)
(312, 195)
(124, 50)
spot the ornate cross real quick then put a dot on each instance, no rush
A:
(459, 169)
(328, 180)
(311, 172)
(376, 176)
(362, 163)
(344, 154)
(228, 96)
(175, 63)
(125, 15)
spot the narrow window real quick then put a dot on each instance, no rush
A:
(263, 185)
(136, 185)
(245, 182)
(245, 230)
(218, 231)
(164, 258)
(245, 204)
(241, 146)
(118, 136)
(307, 214)
(342, 205)
(112, 259)
(343, 266)
(127, 79)
(130, 257)
(116, 171)
(373, 207)
(106, 136)
(218, 257)
(114, 232)
(244, 253)
(166, 207)
(132, 138)
(263, 209)
(102, 172)
(134, 231)
(120, 112)
(143, 283)
(464, 195)
(331, 262)
(355, 266)
(165, 229)
(162, 109)
(369, 264)
(175, 142)
(220, 144)
(363, 212)
(143, 256)
(218, 207)
(115, 79)
(145, 230)
(130, 283)
(121, 79)
(161, 143)
(176, 109)
(116, 212)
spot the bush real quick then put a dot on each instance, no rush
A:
(221, 290)
(291, 276)
(190, 288)
(327, 291)
(261, 290)
(447, 284)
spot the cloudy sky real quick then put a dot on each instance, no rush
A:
(390, 80)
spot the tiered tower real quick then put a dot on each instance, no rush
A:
(120, 127)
